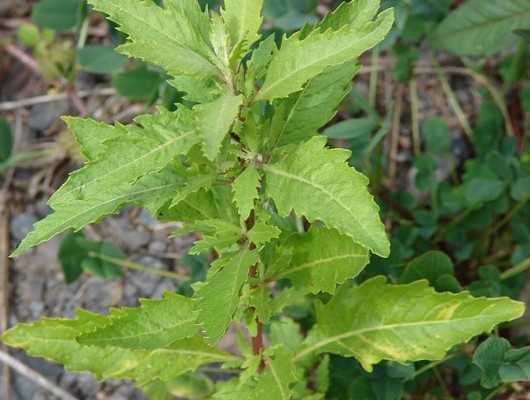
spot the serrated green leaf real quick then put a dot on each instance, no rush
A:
(216, 234)
(218, 298)
(90, 134)
(317, 183)
(192, 185)
(313, 107)
(174, 37)
(482, 28)
(260, 59)
(150, 191)
(149, 149)
(214, 120)
(262, 233)
(260, 300)
(300, 60)
(245, 190)
(155, 324)
(56, 340)
(243, 20)
(402, 323)
(321, 259)
(119, 175)
(279, 374)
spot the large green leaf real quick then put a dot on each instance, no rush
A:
(376, 321)
(481, 27)
(132, 174)
(155, 324)
(57, 340)
(218, 298)
(318, 183)
(307, 111)
(299, 60)
(174, 37)
(321, 259)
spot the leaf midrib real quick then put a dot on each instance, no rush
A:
(320, 261)
(360, 332)
(141, 335)
(63, 196)
(331, 196)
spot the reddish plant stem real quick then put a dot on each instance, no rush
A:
(257, 341)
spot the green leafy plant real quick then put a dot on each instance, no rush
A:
(291, 223)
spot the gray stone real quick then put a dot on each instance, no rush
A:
(21, 225)
(45, 114)
(136, 240)
(157, 247)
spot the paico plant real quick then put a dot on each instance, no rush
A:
(289, 220)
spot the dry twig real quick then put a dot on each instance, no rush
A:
(33, 375)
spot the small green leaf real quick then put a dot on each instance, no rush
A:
(279, 374)
(483, 189)
(245, 189)
(317, 183)
(262, 233)
(59, 15)
(214, 120)
(78, 254)
(216, 234)
(6, 140)
(520, 189)
(516, 365)
(437, 135)
(482, 28)
(100, 59)
(139, 83)
(217, 299)
(402, 323)
(260, 300)
(430, 266)
(489, 357)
